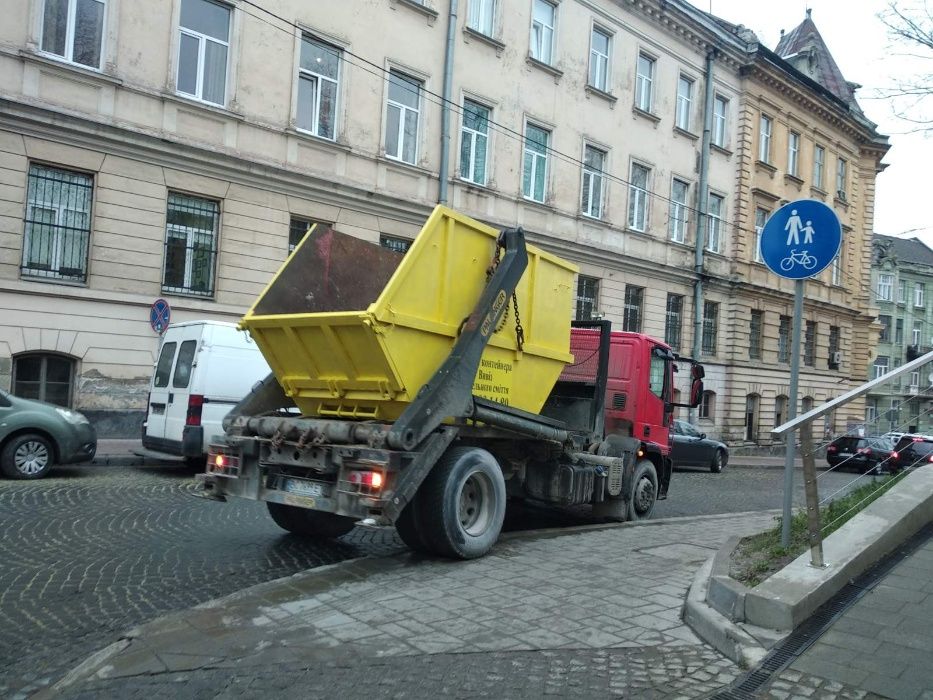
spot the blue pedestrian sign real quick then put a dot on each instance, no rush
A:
(801, 239)
(160, 314)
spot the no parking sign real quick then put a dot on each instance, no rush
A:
(160, 315)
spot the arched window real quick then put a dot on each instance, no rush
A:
(45, 377)
(708, 405)
(780, 411)
(751, 417)
(806, 404)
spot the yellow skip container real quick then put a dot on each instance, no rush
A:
(354, 330)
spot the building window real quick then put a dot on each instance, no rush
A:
(754, 334)
(318, 79)
(399, 245)
(841, 178)
(599, 59)
(474, 142)
(764, 139)
(919, 289)
(542, 30)
(784, 339)
(708, 405)
(673, 322)
(684, 103)
(74, 30)
(819, 165)
(836, 275)
(638, 198)
(203, 46)
(902, 292)
(761, 218)
(57, 223)
(885, 284)
(679, 210)
(885, 335)
(587, 297)
(793, 153)
(714, 221)
(780, 410)
(534, 165)
(809, 344)
(402, 116)
(632, 309)
(710, 327)
(644, 82)
(915, 379)
(833, 347)
(871, 411)
(880, 367)
(482, 16)
(44, 377)
(720, 120)
(298, 227)
(190, 245)
(594, 165)
(899, 331)
(915, 333)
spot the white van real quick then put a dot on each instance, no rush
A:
(204, 369)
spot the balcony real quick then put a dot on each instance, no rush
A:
(915, 351)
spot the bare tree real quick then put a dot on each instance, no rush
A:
(910, 27)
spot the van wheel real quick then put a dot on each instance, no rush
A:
(309, 523)
(461, 505)
(408, 529)
(644, 491)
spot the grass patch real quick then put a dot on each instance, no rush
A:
(759, 556)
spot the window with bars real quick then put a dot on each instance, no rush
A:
(710, 327)
(399, 245)
(474, 142)
(318, 82)
(57, 224)
(587, 298)
(784, 339)
(673, 321)
(593, 186)
(203, 48)
(190, 245)
(297, 228)
(44, 377)
(632, 308)
(755, 326)
(74, 30)
(678, 210)
(809, 344)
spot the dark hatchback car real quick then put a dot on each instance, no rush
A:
(912, 451)
(691, 448)
(35, 436)
(860, 454)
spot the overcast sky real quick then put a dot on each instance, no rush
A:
(865, 55)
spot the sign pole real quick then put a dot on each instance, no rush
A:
(790, 449)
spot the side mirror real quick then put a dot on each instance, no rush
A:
(702, 436)
(697, 371)
(696, 391)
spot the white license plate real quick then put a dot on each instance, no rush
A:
(304, 488)
(846, 454)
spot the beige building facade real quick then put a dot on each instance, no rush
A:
(175, 150)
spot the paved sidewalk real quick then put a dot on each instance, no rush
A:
(592, 613)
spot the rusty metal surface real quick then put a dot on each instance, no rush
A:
(330, 271)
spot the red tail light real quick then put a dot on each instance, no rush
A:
(831, 448)
(195, 403)
(373, 480)
(894, 455)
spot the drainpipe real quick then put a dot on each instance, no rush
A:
(702, 205)
(445, 105)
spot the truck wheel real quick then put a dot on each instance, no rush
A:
(309, 523)
(461, 505)
(644, 491)
(408, 529)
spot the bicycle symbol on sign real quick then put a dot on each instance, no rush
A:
(802, 258)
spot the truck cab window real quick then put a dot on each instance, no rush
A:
(657, 374)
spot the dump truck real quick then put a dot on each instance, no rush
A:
(425, 390)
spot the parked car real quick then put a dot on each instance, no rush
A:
(861, 454)
(35, 436)
(691, 448)
(912, 451)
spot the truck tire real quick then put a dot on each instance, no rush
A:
(461, 504)
(644, 491)
(309, 523)
(408, 529)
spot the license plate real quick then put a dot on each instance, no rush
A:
(845, 454)
(304, 488)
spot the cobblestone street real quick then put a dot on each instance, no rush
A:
(91, 552)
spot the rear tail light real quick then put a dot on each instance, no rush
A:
(831, 448)
(373, 480)
(894, 455)
(195, 403)
(222, 463)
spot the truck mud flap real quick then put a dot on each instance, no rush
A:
(410, 479)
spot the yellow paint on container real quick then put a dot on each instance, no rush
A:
(370, 362)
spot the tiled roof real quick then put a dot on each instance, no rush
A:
(907, 250)
(804, 39)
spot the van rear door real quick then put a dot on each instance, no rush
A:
(179, 389)
(159, 390)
